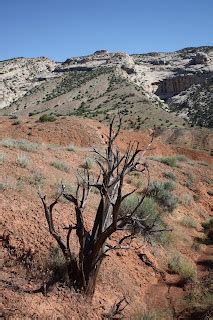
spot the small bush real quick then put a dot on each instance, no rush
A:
(189, 222)
(16, 122)
(135, 181)
(88, 164)
(36, 179)
(148, 208)
(60, 165)
(22, 161)
(210, 192)
(187, 199)
(169, 175)
(169, 185)
(196, 246)
(196, 197)
(190, 181)
(57, 263)
(2, 158)
(47, 118)
(207, 225)
(161, 191)
(69, 189)
(182, 266)
(3, 186)
(20, 183)
(24, 145)
(128, 205)
(71, 147)
(170, 161)
(146, 316)
(181, 157)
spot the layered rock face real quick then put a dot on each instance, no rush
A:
(18, 76)
(170, 87)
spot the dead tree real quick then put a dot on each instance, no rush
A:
(114, 166)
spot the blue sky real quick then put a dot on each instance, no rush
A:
(60, 29)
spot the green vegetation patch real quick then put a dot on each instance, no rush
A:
(182, 266)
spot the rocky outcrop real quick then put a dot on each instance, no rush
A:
(195, 104)
(170, 87)
(20, 75)
(200, 58)
(100, 52)
(166, 79)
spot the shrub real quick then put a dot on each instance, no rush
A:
(20, 183)
(210, 192)
(208, 224)
(24, 145)
(135, 181)
(148, 208)
(16, 122)
(161, 192)
(36, 179)
(146, 316)
(182, 266)
(57, 263)
(69, 189)
(169, 185)
(190, 181)
(196, 246)
(187, 199)
(196, 197)
(88, 164)
(169, 175)
(3, 186)
(189, 222)
(2, 158)
(22, 161)
(71, 147)
(128, 205)
(47, 118)
(181, 157)
(60, 165)
(170, 161)
(148, 211)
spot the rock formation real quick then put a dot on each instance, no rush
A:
(161, 76)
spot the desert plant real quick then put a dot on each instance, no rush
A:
(146, 316)
(208, 224)
(22, 160)
(36, 178)
(71, 147)
(189, 222)
(210, 192)
(16, 122)
(24, 145)
(83, 268)
(170, 161)
(182, 266)
(2, 158)
(60, 165)
(161, 191)
(187, 199)
(181, 157)
(3, 186)
(47, 118)
(169, 175)
(88, 164)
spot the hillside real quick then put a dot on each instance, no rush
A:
(35, 154)
(161, 89)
